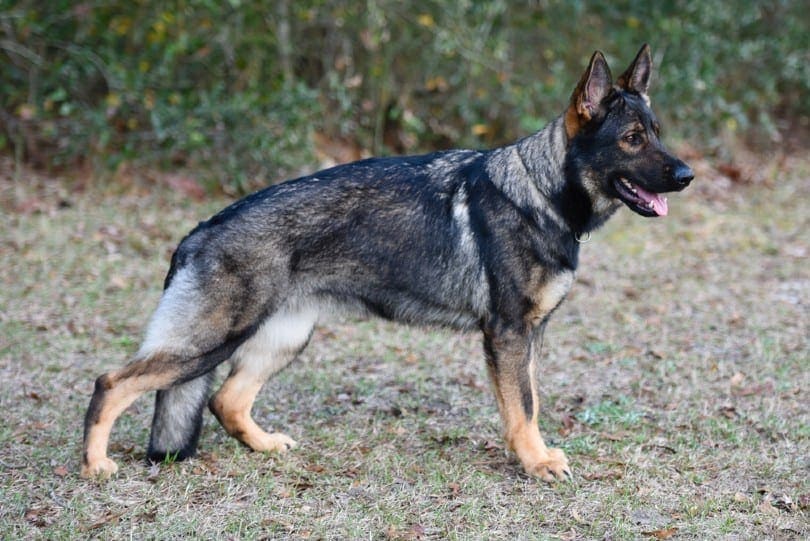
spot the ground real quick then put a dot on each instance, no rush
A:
(675, 377)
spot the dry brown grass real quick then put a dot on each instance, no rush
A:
(675, 377)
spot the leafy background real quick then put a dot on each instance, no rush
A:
(249, 92)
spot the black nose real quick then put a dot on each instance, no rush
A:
(683, 174)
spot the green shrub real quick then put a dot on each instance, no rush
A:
(237, 88)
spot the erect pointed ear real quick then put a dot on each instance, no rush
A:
(586, 101)
(637, 77)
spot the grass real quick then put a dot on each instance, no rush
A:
(675, 377)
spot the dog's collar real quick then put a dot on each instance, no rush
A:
(582, 239)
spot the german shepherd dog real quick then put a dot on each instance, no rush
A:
(462, 238)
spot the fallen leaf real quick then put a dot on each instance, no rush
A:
(780, 501)
(655, 354)
(470, 381)
(570, 535)
(613, 437)
(567, 425)
(492, 447)
(739, 497)
(60, 471)
(660, 447)
(631, 293)
(733, 172)
(34, 516)
(122, 448)
(204, 466)
(666, 533)
(737, 379)
(762, 388)
(729, 412)
(576, 516)
(604, 475)
(301, 485)
(106, 519)
(767, 508)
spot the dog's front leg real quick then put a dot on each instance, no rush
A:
(512, 360)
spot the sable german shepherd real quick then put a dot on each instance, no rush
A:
(462, 238)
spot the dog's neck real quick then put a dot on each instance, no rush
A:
(569, 193)
(543, 154)
(538, 184)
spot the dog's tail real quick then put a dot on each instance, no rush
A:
(178, 419)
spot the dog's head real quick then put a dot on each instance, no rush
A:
(613, 140)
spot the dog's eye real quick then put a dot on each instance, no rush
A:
(633, 138)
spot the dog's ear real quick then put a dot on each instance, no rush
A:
(586, 101)
(637, 77)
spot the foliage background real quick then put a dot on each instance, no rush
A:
(251, 91)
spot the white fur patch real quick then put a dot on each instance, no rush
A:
(177, 307)
(278, 337)
(461, 215)
(468, 250)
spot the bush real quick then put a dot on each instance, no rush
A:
(238, 88)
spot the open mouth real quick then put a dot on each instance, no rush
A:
(640, 200)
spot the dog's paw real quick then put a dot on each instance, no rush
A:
(273, 443)
(103, 468)
(552, 468)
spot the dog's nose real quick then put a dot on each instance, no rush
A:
(683, 174)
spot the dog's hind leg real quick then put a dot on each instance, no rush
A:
(113, 393)
(116, 390)
(184, 341)
(276, 343)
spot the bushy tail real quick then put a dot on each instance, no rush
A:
(178, 419)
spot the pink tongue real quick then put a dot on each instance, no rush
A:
(659, 202)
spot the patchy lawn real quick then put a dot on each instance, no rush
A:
(675, 376)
